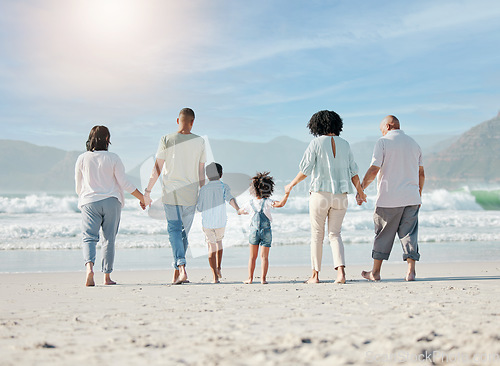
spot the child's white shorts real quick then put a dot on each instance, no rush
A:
(212, 236)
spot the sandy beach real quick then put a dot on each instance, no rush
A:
(450, 314)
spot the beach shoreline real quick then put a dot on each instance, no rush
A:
(451, 311)
(297, 255)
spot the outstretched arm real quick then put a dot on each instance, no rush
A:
(201, 174)
(140, 197)
(299, 178)
(152, 180)
(282, 202)
(233, 203)
(421, 179)
(361, 196)
(370, 176)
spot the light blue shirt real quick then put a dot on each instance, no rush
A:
(329, 173)
(212, 204)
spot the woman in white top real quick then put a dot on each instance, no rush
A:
(100, 181)
(329, 161)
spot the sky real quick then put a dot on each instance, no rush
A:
(251, 70)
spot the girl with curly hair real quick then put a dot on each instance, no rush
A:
(262, 188)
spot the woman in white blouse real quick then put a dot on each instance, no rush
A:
(330, 163)
(100, 181)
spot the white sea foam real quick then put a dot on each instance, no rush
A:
(49, 222)
(38, 204)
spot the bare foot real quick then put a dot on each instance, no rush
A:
(264, 282)
(248, 282)
(216, 281)
(411, 276)
(370, 276)
(108, 280)
(181, 279)
(312, 280)
(340, 280)
(90, 279)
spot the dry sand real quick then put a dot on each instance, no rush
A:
(451, 313)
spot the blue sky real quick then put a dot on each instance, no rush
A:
(250, 70)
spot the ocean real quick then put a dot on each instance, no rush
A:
(41, 233)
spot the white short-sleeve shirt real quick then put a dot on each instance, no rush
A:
(399, 157)
(182, 154)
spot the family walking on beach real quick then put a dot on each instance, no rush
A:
(180, 160)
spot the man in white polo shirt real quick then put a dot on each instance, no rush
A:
(397, 159)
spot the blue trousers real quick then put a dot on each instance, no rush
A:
(106, 214)
(179, 221)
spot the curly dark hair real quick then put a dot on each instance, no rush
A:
(324, 123)
(98, 139)
(262, 185)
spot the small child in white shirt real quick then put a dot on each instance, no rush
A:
(212, 204)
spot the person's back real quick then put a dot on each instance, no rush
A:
(399, 157)
(212, 204)
(103, 176)
(330, 162)
(260, 220)
(182, 154)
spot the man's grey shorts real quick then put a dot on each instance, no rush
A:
(391, 220)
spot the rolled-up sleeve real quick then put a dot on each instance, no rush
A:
(227, 193)
(378, 154)
(121, 177)
(308, 161)
(353, 167)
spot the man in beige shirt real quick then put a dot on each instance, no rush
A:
(181, 157)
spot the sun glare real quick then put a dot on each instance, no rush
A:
(109, 18)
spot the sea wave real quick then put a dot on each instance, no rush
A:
(440, 199)
(138, 230)
(34, 203)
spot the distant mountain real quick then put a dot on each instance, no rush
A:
(30, 168)
(473, 158)
(26, 167)
(281, 156)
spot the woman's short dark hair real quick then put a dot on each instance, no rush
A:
(214, 171)
(325, 123)
(98, 139)
(262, 185)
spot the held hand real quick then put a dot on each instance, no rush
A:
(143, 206)
(147, 200)
(360, 198)
(242, 212)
